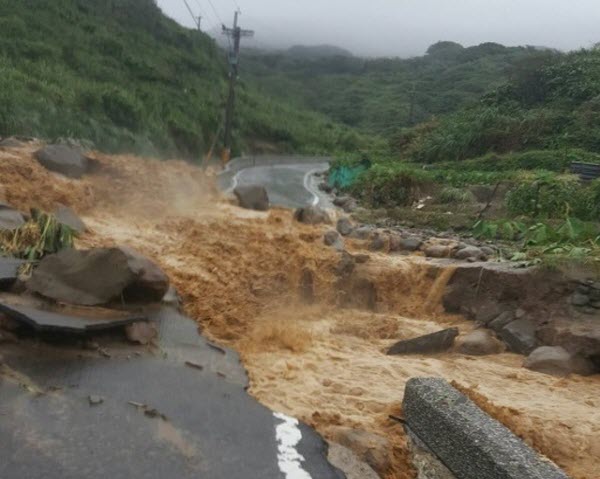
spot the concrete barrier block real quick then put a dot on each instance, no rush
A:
(468, 441)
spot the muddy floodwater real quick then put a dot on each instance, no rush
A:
(240, 275)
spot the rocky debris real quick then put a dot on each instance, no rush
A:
(64, 160)
(361, 258)
(252, 197)
(580, 336)
(579, 299)
(470, 253)
(344, 227)
(363, 232)
(519, 336)
(437, 251)
(312, 215)
(430, 343)
(557, 361)
(489, 251)
(99, 276)
(143, 333)
(397, 243)
(480, 342)
(498, 323)
(10, 142)
(95, 400)
(67, 216)
(369, 447)
(333, 238)
(349, 463)
(10, 218)
(378, 243)
(9, 271)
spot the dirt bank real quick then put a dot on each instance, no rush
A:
(240, 275)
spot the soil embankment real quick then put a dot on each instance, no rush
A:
(241, 275)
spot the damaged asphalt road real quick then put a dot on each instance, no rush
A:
(178, 411)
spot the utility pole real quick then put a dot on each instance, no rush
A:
(197, 19)
(235, 33)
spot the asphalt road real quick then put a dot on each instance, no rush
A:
(181, 411)
(290, 181)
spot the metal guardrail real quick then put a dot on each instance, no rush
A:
(586, 171)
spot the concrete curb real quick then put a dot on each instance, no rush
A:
(465, 439)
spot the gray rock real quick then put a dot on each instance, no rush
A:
(64, 160)
(10, 218)
(501, 320)
(346, 265)
(252, 197)
(349, 463)
(487, 312)
(333, 238)
(520, 313)
(312, 215)
(344, 226)
(480, 342)
(519, 336)
(557, 361)
(430, 343)
(141, 333)
(437, 251)
(68, 217)
(10, 142)
(469, 252)
(488, 251)
(363, 232)
(466, 440)
(99, 276)
(342, 201)
(410, 244)
(579, 299)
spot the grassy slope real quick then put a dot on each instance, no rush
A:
(122, 75)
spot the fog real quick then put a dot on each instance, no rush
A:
(401, 27)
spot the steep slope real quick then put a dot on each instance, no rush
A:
(121, 74)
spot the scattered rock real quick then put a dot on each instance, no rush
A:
(398, 243)
(64, 160)
(252, 197)
(480, 342)
(370, 448)
(361, 258)
(95, 400)
(469, 252)
(311, 215)
(488, 251)
(579, 299)
(346, 265)
(99, 276)
(501, 320)
(342, 201)
(487, 312)
(430, 343)
(68, 217)
(362, 232)
(437, 251)
(10, 218)
(344, 226)
(141, 333)
(519, 336)
(10, 142)
(557, 361)
(378, 243)
(331, 237)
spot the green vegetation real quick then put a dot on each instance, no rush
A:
(122, 75)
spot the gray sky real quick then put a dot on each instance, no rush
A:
(403, 27)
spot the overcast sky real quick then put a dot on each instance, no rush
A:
(403, 27)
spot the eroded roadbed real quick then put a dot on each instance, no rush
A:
(128, 412)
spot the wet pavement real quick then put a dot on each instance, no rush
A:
(179, 410)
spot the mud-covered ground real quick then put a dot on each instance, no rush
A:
(239, 274)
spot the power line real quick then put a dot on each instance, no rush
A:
(216, 13)
(196, 19)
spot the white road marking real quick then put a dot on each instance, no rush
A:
(288, 436)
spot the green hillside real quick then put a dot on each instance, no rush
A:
(127, 78)
(383, 95)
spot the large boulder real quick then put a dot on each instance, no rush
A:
(10, 218)
(99, 276)
(480, 342)
(252, 197)
(67, 216)
(430, 343)
(64, 160)
(312, 215)
(557, 361)
(520, 336)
